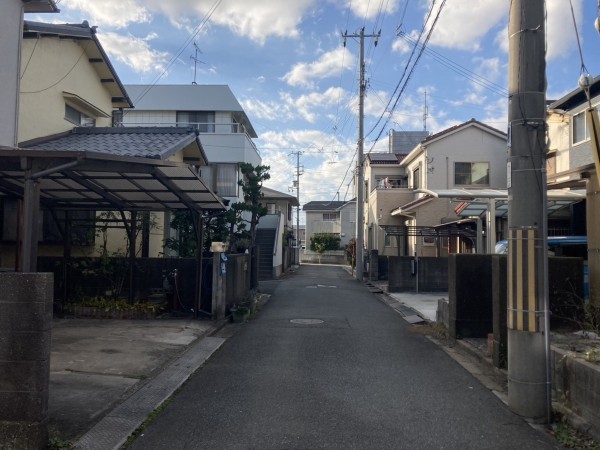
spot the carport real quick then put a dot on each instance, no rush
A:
(95, 181)
(478, 204)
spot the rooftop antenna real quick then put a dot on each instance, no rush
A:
(425, 113)
(196, 61)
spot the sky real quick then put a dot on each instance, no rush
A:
(287, 64)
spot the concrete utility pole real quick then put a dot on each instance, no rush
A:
(360, 183)
(296, 186)
(529, 384)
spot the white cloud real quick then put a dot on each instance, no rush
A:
(560, 33)
(306, 107)
(307, 103)
(328, 65)
(370, 10)
(462, 24)
(401, 46)
(325, 159)
(111, 13)
(257, 20)
(134, 52)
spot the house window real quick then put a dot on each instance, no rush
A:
(226, 180)
(271, 209)
(117, 118)
(580, 131)
(416, 178)
(472, 174)
(203, 121)
(551, 163)
(428, 240)
(390, 241)
(329, 217)
(222, 179)
(78, 118)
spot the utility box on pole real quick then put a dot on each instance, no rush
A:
(529, 385)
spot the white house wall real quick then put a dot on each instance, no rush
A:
(559, 141)
(42, 105)
(470, 144)
(347, 223)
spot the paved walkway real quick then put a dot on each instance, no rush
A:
(95, 364)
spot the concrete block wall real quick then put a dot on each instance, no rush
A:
(25, 331)
(431, 274)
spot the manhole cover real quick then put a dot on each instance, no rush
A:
(307, 321)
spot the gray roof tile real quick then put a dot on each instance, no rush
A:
(146, 142)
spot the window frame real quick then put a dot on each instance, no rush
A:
(77, 117)
(470, 174)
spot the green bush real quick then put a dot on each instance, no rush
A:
(321, 242)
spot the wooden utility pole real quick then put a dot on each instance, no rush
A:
(529, 383)
(360, 183)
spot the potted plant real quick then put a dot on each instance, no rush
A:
(239, 313)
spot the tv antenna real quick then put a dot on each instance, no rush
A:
(196, 60)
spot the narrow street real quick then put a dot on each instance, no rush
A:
(326, 365)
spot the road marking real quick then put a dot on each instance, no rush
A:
(307, 321)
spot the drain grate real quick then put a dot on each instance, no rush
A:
(307, 321)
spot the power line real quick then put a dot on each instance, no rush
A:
(408, 77)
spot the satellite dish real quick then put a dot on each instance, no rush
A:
(597, 24)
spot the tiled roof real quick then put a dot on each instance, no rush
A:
(145, 142)
(276, 195)
(323, 205)
(456, 127)
(385, 158)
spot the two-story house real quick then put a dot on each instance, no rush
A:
(225, 130)
(68, 90)
(335, 217)
(386, 184)
(573, 163)
(469, 157)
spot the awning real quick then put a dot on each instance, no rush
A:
(474, 202)
(96, 181)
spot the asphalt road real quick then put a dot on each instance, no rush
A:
(361, 379)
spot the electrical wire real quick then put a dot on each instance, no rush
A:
(181, 49)
(455, 67)
(408, 77)
(414, 49)
(65, 76)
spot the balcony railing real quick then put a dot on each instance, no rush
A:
(203, 128)
(391, 183)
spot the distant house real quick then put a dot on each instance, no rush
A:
(471, 156)
(386, 185)
(223, 127)
(336, 217)
(275, 234)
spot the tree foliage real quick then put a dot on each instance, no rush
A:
(233, 226)
(251, 184)
(321, 242)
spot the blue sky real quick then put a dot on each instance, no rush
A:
(286, 63)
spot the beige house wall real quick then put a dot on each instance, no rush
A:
(50, 66)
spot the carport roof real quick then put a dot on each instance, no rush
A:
(473, 202)
(97, 181)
